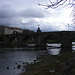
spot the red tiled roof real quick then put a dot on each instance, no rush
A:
(14, 28)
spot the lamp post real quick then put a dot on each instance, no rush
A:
(68, 27)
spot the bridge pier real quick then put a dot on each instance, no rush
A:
(65, 42)
(39, 44)
(66, 47)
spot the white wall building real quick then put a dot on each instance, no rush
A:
(9, 30)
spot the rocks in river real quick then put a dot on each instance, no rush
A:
(14, 67)
(18, 66)
(15, 63)
(23, 63)
(7, 68)
(23, 70)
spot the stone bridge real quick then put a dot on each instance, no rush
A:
(64, 37)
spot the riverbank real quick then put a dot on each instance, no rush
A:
(62, 64)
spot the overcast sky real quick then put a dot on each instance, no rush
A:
(27, 14)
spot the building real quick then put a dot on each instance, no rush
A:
(9, 30)
(12, 30)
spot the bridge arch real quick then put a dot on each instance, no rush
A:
(50, 39)
(12, 40)
(28, 39)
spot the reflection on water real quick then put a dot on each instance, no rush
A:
(54, 45)
(53, 49)
(31, 44)
(11, 62)
(73, 46)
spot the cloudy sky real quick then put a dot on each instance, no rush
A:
(27, 14)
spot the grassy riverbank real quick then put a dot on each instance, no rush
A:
(62, 64)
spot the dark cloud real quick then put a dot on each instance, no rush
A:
(32, 12)
(7, 12)
(6, 21)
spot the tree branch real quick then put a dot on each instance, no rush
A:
(58, 3)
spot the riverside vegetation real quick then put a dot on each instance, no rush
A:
(62, 64)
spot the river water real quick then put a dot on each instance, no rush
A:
(12, 60)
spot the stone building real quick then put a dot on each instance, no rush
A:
(9, 30)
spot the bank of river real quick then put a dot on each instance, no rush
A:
(62, 64)
(56, 62)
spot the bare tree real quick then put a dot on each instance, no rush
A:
(58, 3)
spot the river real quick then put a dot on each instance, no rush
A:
(12, 60)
